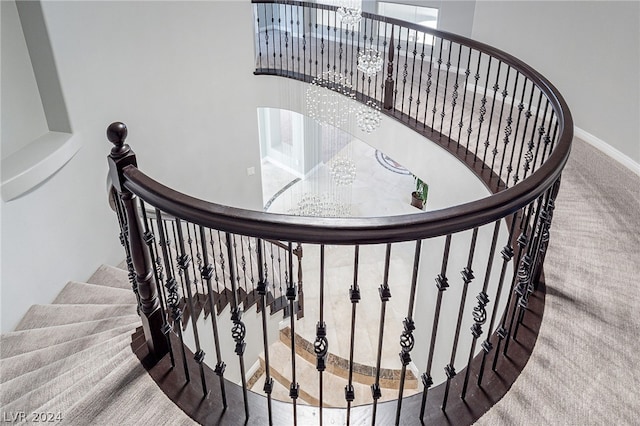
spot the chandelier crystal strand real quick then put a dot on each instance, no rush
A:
(370, 61)
(329, 98)
(369, 117)
(350, 12)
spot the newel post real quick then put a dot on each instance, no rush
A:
(120, 157)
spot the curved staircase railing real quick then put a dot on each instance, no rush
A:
(493, 112)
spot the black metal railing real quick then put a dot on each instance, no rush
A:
(490, 110)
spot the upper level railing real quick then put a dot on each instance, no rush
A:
(490, 110)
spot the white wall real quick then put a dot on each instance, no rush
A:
(589, 50)
(23, 118)
(160, 67)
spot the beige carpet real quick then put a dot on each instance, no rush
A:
(585, 367)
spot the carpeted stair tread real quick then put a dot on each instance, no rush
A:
(110, 276)
(39, 316)
(21, 364)
(133, 398)
(83, 293)
(50, 380)
(19, 342)
(80, 382)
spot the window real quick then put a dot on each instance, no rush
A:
(424, 16)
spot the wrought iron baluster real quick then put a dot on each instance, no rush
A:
(508, 129)
(173, 297)
(515, 134)
(476, 77)
(446, 87)
(354, 296)
(321, 344)
(196, 259)
(388, 83)
(527, 116)
(238, 331)
(467, 277)
(150, 241)
(479, 312)
(483, 110)
(413, 72)
(184, 260)
(258, 32)
(124, 241)
(424, 35)
(495, 88)
(407, 341)
(405, 72)
(294, 388)
(385, 294)
(504, 94)
(428, 88)
(286, 39)
(395, 86)
(541, 133)
(207, 272)
(263, 285)
(442, 283)
(507, 255)
(435, 96)
(467, 73)
(454, 94)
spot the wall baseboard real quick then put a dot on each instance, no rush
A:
(607, 149)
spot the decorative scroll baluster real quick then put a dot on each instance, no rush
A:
(467, 277)
(428, 89)
(434, 110)
(385, 295)
(508, 130)
(529, 156)
(354, 296)
(442, 283)
(443, 113)
(483, 109)
(541, 133)
(504, 94)
(495, 88)
(476, 77)
(300, 311)
(173, 297)
(527, 115)
(262, 291)
(467, 73)
(405, 71)
(294, 388)
(454, 94)
(407, 341)
(151, 242)
(515, 134)
(479, 312)
(207, 272)
(321, 344)
(507, 255)
(184, 260)
(120, 157)
(238, 331)
(419, 89)
(388, 84)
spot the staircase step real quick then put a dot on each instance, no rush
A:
(83, 293)
(39, 316)
(52, 379)
(110, 276)
(279, 391)
(45, 364)
(73, 386)
(19, 342)
(133, 399)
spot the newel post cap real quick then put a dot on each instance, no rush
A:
(117, 133)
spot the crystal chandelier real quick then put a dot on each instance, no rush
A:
(330, 98)
(343, 171)
(350, 12)
(323, 205)
(369, 117)
(370, 61)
